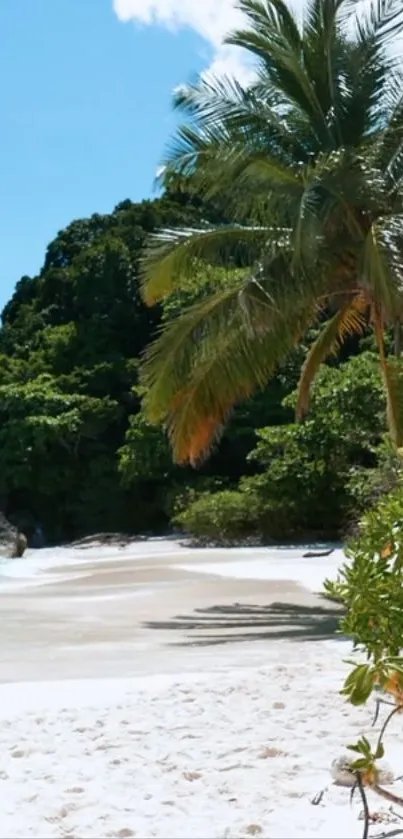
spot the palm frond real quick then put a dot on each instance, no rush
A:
(220, 350)
(273, 36)
(381, 22)
(381, 264)
(171, 254)
(348, 320)
(323, 57)
(231, 374)
(368, 59)
(169, 359)
(275, 14)
(253, 305)
(192, 147)
(311, 156)
(225, 368)
(388, 149)
(228, 122)
(226, 102)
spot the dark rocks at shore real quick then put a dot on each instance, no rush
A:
(12, 543)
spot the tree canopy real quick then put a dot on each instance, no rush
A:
(77, 452)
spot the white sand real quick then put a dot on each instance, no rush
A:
(224, 750)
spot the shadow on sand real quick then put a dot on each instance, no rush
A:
(245, 622)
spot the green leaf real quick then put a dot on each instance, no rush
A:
(380, 752)
(359, 765)
(366, 746)
(355, 748)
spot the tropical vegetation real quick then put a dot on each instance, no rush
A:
(77, 453)
(310, 160)
(369, 587)
(275, 245)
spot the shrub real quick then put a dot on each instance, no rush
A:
(312, 477)
(370, 586)
(302, 489)
(221, 517)
(367, 486)
(313, 473)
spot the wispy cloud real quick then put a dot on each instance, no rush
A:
(211, 19)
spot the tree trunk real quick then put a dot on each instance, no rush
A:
(390, 382)
(398, 339)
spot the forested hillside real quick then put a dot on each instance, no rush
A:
(77, 455)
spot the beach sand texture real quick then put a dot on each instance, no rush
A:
(157, 691)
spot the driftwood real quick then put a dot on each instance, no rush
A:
(310, 554)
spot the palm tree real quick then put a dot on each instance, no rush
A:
(311, 155)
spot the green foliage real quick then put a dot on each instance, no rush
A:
(370, 585)
(307, 474)
(69, 350)
(368, 486)
(145, 455)
(222, 517)
(77, 454)
(49, 441)
(307, 467)
(309, 159)
(204, 279)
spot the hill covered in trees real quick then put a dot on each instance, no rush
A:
(76, 452)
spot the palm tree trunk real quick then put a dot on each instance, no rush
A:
(398, 339)
(391, 383)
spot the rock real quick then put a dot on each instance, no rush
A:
(343, 777)
(253, 830)
(21, 545)
(12, 542)
(192, 776)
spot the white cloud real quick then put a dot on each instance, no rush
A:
(211, 19)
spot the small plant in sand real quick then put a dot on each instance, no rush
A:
(370, 586)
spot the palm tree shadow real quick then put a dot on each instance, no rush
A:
(245, 622)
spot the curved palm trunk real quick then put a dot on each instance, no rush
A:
(398, 339)
(392, 384)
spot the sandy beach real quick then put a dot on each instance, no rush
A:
(154, 690)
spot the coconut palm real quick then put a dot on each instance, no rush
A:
(311, 155)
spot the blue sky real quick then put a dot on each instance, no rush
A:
(86, 112)
(85, 91)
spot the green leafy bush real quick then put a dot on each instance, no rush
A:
(310, 478)
(368, 486)
(145, 455)
(370, 587)
(311, 470)
(221, 516)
